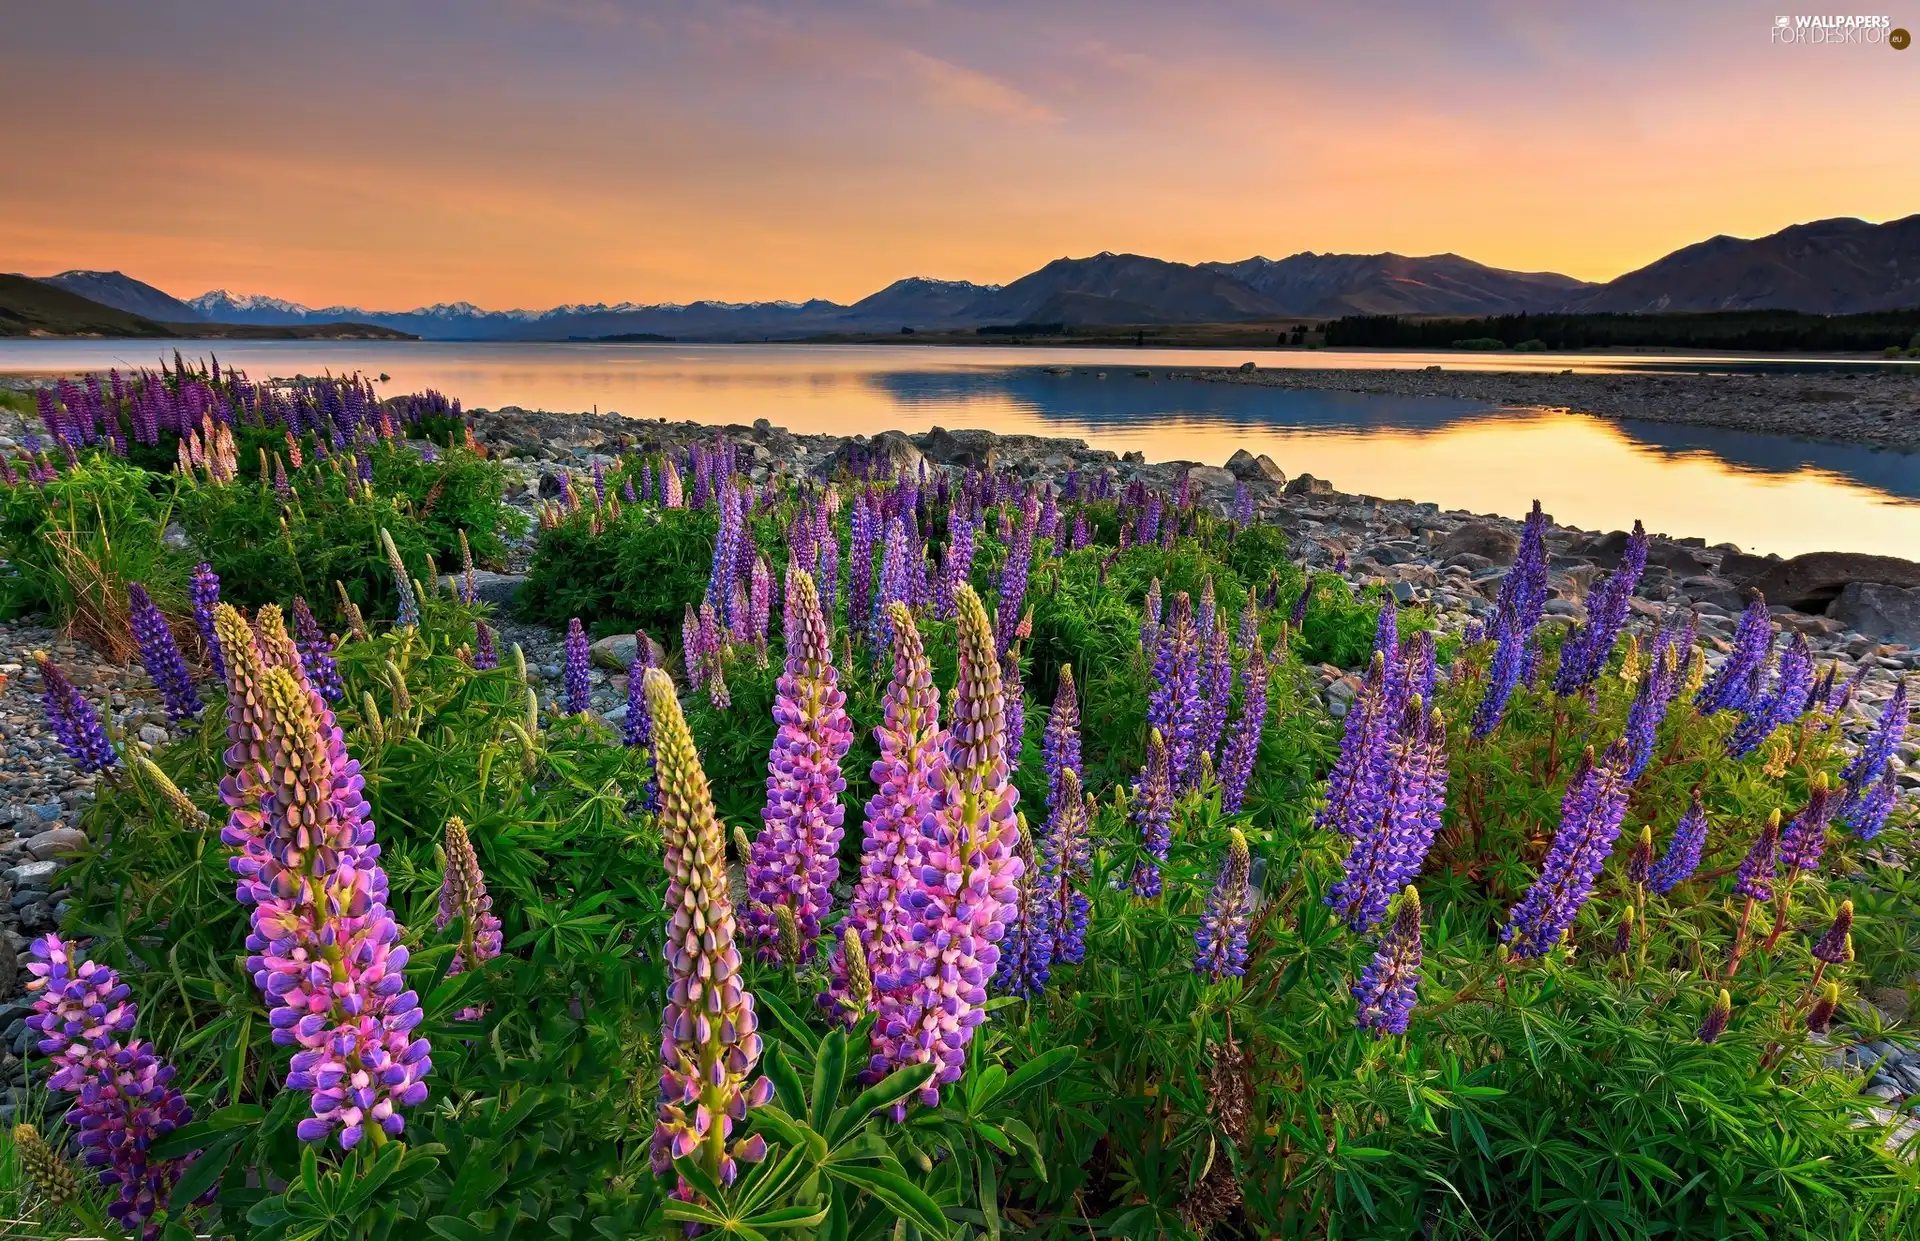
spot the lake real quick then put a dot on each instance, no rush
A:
(1765, 493)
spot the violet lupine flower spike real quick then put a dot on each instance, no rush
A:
(1754, 881)
(1682, 857)
(316, 653)
(1061, 742)
(1586, 652)
(204, 590)
(126, 1100)
(1153, 817)
(485, 656)
(463, 895)
(1220, 941)
(1173, 697)
(1733, 684)
(1357, 783)
(578, 658)
(1718, 1015)
(911, 763)
(1243, 746)
(1389, 986)
(796, 855)
(1389, 855)
(1026, 954)
(1783, 703)
(408, 614)
(709, 1033)
(73, 719)
(965, 897)
(160, 655)
(1067, 851)
(1872, 784)
(1590, 817)
(1522, 601)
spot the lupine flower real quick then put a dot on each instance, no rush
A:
(709, 1033)
(956, 568)
(1649, 708)
(1297, 616)
(1026, 954)
(691, 648)
(1805, 836)
(1836, 946)
(1517, 611)
(1389, 986)
(1067, 853)
(1872, 790)
(1173, 697)
(637, 728)
(759, 604)
(1782, 704)
(463, 895)
(484, 655)
(1682, 857)
(1356, 786)
(308, 866)
(160, 654)
(316, 653)
(578, 655)
(1150, 622)
(1216, 694)
(126, 1100)
(73, 719)
(795, 857)
(1717, 1017)
(1243, 747)
(1733, 684)
(1386, 857)
(1755, 877)
(1153, 817)
(1061, 741)
(860, 524)
(911, 763)
(408, 615)
(1014, 574)
(1586, 651)
(1820, 1013)
(1867, 811)
(1590, 816)
(713, 653)
(935, 997)
(1220, 941)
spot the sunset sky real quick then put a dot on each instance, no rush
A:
(392, 153)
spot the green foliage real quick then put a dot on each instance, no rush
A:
(642, 571)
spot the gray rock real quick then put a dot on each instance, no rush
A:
(57, 842)
(1211, 476)
(1255, 469)
(1891, 612)
(968, 449)
(1308, 485)
(498, 589)
(1811, 582)
(1484, 540)
(33, 876)
(616, 654)
(889, 453)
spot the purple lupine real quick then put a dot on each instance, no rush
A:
(959, 911)
(1297, 617)
(160, 655)
(1216, 694)
(1586, 651)
(1014, 575)
(692, 648)
(895, 585)
(463, 895)
(1735, 682)
(1150, 621)
(1590, 818)
(1649, 707)
(912, 760)
(309, 868)
(637, 729)
(1754, 880)
(1682, 858)
(578, 656)
(1242, 506)
(1782, 704)
(1867, 810)
(1061, 742)
(1517, 612)
(1067, 853)
(1389, 854)
(1205, 613)
(316, 653)
(1079, 538)
(759, 604)
(204, 591)
(126, 1100)
(956, 568)
(1243, 746)
(713, 652)
(1356, 787)
(1718, 1015)
(484, 655)
(860, 525)
(1872, 787)
(795, 857)
(1026, 953)
(1173, 697)
(1883, 739)
(1836, 946)
(1389, 986)
(1804, 838)
(73, 719)
(1152, 813)
(1220, 941)
(709, 1032)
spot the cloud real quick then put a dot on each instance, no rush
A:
(968, 90)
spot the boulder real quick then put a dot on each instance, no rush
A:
(498, 589)
(1255, 469)
(1308, 485)
(1485, 539)
(1210, 476)
(886, 455)
(1890, 612)
(616, 654)
(57, 842)
(1811, 582)
(973, 450)
(1740, 566)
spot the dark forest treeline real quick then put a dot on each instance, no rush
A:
(1779, 331)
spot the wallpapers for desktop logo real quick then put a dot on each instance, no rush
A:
(1838, 30)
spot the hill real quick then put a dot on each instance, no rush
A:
(30, 307)
(1829, 267)
(1395, 284)
(123, 292)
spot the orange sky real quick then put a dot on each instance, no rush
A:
(534, 152)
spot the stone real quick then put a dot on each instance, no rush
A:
(887, 454)
(33, 876)
(56, 843)
(1811, 582)
(498, 589)
(968, 449)
(174, 538)
(1740, 566)
(1890, 612)
(1485, 540)
(1308, 485)
(1255, 469)
(617, 653)
(1210, 476)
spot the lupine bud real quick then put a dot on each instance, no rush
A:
(170, 792)
(1623, 937)
(1820, 1015)
(1717, 1017)
(1836, 946)
(44, 1168)
(463, 895)
(485, 657)
(1389, 986)
(408, 615)
(1640, 861)
(1755, 878)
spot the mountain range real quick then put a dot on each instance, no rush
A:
(1837, 266)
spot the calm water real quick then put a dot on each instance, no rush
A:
(1763, 492)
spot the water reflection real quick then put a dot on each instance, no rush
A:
(1763, 492)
